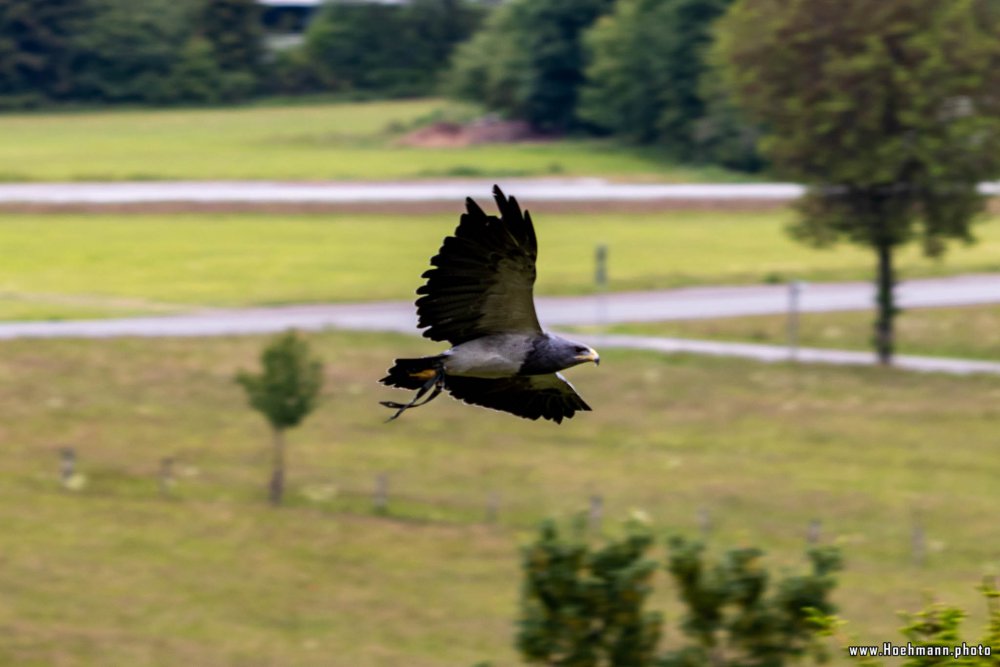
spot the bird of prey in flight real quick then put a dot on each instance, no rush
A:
(478, 297)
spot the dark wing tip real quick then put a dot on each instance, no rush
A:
(510, 210)
(473, 208)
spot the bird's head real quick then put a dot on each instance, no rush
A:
(583, 354)
(550, 354)
(571, 353)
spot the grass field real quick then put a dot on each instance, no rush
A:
(299, 142)
(65, 265)
(972, 332)
(113, 574)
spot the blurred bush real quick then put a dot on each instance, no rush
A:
(585, 606)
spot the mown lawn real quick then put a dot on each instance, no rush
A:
(331, 141)
(114, 574)
(55, 265)
(972, 332)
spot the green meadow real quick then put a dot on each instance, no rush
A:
(322, 141)
(91, 265)
(113, 573)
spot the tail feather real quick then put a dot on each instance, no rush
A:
(412, 373)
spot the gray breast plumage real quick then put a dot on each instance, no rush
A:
(496, 356)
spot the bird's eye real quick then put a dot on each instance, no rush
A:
(581, 350)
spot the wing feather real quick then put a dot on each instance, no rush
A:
(483, 278)
(532, 396)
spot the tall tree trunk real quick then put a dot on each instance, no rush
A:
(885, 299)
(277, 487)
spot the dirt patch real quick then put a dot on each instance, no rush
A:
(487, 130)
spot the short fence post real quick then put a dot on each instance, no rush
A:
(67, 465)
(381, 499)
(166, 476)
(794, 295)
(813, 531)
(492, 507)
(601, 283)
(918, 540)
(596, 510)
(704, 522)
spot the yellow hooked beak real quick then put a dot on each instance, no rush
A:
(590, 355)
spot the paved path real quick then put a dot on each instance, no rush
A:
(677, 304)
(690, 303)
(527, 190)
(777, 353)
(533, 190)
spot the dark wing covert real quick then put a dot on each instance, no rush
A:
(483, 278)
(529, 396)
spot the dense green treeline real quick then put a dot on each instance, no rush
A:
(112, 51)
(630, 68)
(215, 51)
(639, 70)
(634, 69)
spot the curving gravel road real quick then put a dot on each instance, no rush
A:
(689, 303)
(676, 304)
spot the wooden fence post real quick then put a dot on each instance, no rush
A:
(492, 507)
(918, 540)
(166, 476)
(704, 523)
(596, 512)
(381, 499)
(814, 531)
(67, 465)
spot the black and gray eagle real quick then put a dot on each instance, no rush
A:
(478, 297)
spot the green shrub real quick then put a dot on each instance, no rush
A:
(584, 606)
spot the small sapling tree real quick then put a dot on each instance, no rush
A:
(285, 391)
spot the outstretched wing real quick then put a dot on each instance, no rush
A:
(483, 277)
(529, 396)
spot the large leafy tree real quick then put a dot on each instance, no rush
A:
(889, 111)
(644, 78)
(439, 25)
(234, 29)
(131, 50)
(395, 49)
(39, 47)
(528, 61)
